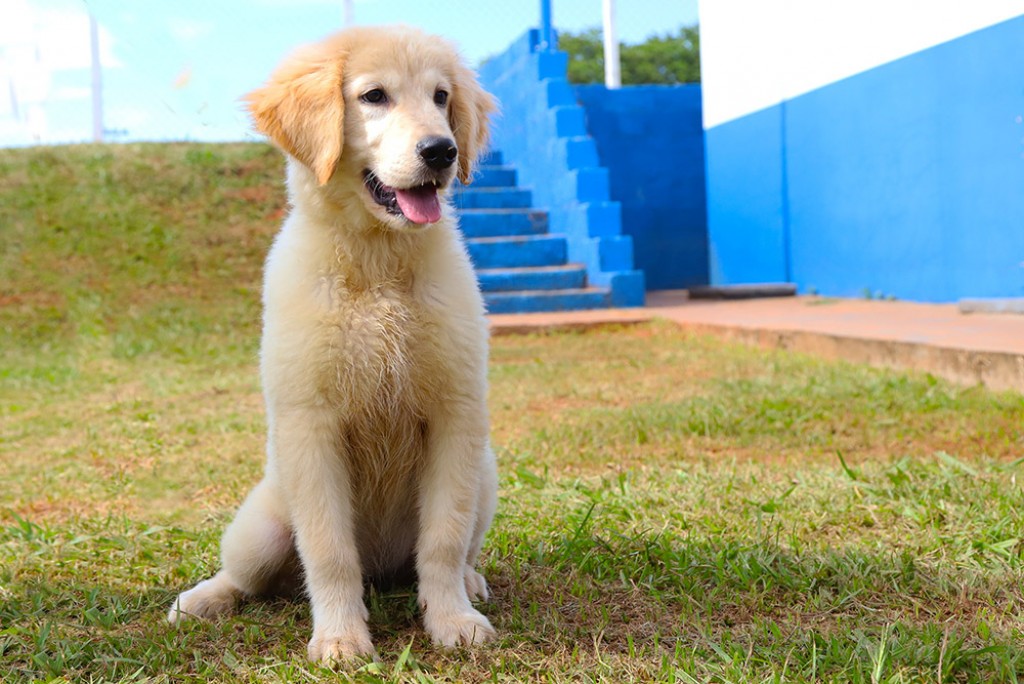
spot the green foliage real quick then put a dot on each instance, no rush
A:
(118, 244)
(669, 59)
(586, 55)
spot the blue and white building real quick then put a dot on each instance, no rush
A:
(864, 148)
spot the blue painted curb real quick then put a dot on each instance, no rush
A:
(557, 300)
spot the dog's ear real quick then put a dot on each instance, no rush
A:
(469, 107)
(302, 110)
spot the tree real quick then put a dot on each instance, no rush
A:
(668, 60)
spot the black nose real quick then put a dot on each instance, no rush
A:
(438, 153)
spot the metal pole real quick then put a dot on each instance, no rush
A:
(612, 76)
(349, 12)
(97, 81)
(15, 111)
(547, 33)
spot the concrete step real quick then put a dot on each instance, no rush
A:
(530, 301)
(491, 198)
(521, 267)
(478, 223)
(568, 277)
(494, 177)
(517, 251)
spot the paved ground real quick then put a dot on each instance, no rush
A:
(936, 338)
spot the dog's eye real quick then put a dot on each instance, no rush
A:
(375, 96)
(441, 98)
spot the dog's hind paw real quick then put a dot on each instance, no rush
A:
(207, 600)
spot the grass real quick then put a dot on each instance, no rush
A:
(672, 508)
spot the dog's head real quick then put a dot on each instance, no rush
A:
(392, 110)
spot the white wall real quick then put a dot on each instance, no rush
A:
(756, 53)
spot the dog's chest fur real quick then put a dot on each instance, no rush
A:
(383, 373)
(379, 349)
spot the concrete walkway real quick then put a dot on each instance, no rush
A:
(935, 338)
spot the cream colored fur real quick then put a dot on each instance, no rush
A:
(373, 356)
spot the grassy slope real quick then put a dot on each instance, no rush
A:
(672, 508)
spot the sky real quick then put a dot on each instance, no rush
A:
(175, 69)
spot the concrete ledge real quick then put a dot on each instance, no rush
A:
(1013, 305)
(937, 339)
(996, 370)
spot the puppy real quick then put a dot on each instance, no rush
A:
(374, 348)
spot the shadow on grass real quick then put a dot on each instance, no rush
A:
(713, 608)
(750, 606)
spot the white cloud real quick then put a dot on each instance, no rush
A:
(26, 77)
(35, 45)
(57, 38)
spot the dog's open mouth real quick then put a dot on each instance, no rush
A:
(419, 204)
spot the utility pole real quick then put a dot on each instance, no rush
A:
(612, 77)
(97, 81)
(15, 112)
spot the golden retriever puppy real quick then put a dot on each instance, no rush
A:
(374, 348)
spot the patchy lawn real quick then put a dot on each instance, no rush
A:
(672, 508)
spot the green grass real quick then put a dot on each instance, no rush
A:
(673, 508)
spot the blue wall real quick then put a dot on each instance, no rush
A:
(746, 231)
(905, 180)
(651, 140)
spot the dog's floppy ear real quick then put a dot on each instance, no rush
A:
(470, 105)
(302, 110)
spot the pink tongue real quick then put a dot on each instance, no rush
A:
(420, 205)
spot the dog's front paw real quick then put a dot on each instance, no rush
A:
(336, 649)
(476, 585)
(459, 629)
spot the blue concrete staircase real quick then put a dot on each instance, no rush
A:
(521, 267)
